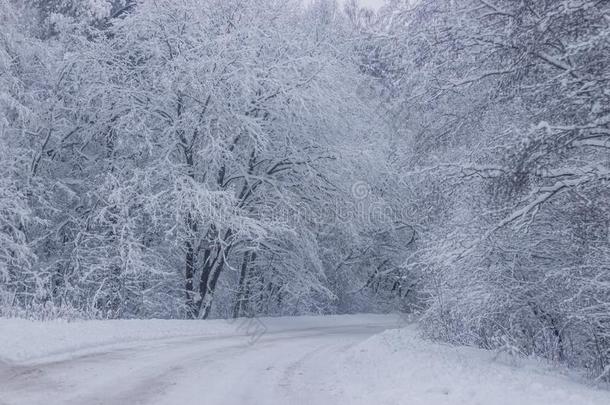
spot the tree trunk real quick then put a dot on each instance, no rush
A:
(241, 290)
(189, 274)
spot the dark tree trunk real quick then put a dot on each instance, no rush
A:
(241, 290)
(189, 274)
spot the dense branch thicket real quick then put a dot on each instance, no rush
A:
(200, 158)
(159, 154)
(503, 110)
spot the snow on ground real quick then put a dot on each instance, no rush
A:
(400, 367)
(300, 360)
(24, 341)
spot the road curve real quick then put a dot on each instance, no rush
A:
(283, 366)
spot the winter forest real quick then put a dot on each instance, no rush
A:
(193, 159)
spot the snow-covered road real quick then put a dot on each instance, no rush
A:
(307, 360)
(290, 365)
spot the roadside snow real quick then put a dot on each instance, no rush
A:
(397, 366)
(317, 360)
(23, 341)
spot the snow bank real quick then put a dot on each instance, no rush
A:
(399, 367)
(24, 341)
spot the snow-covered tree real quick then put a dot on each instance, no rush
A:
(503, 110)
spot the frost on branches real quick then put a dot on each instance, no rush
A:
(507, 138)
(208, 158)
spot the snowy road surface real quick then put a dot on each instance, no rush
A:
(325, 360)
(288, 363)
